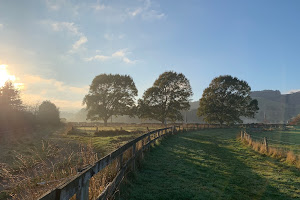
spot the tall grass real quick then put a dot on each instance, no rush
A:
(278, 153)
(38, 173)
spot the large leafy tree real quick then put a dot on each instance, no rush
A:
(168, 96)
(226, 100)
(48, 114)
(110, 95)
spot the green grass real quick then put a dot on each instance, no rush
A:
(210, 164)
(288, 136)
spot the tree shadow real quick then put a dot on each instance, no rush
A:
(195, 166)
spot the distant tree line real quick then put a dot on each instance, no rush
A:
(15, 115)
(225, 101)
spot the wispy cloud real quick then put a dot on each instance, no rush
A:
(1, 26)
(111, 36)
(136, 12)
(73, 29)
(53, 5)
(292, 91)
(120, 54)
(99, 6)
(30, 80)
(68, 26)
(66, 6)
(146, 11)
(79, 42)
(36, 88)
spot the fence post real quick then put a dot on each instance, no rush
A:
(83, 193)
(120, 162)
(142, 154)
(149, 138)
(266, 143)
(133, 155)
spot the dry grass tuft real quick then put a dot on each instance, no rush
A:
(277, 153)
(40, 172)
(290, 157)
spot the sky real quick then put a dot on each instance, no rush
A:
(54, 49)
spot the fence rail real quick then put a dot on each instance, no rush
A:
(79, 184)
(266, 145)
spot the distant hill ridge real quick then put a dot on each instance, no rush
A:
(275, 95)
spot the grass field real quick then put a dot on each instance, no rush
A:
(33, 153)
(210, 164)
(288, 140)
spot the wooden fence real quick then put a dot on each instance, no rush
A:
(248, 137)
(79, 185)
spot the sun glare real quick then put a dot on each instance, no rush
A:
(5, 76)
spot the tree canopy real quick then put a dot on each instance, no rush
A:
(110, 95)
(48, 114)
(226, 100)
(168, 96)
(10, 97)
(295, 121)
(13, 114)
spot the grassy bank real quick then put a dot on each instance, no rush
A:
(210, 164)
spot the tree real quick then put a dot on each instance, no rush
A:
(295, 121)
(10, 97)
(168, 96)
(48, 114)
(13, 114)
(226, 100)
(110, 95)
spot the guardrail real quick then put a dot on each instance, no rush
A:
(79, 185)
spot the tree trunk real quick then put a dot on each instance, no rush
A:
(221, 124)
(164, 122)
(105, 121)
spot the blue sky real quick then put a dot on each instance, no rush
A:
(55, 48)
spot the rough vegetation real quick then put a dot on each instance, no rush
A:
(282, 145)
(34, 163)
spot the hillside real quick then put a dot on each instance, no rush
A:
(276, 107)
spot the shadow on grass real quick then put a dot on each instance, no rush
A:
(202, 165)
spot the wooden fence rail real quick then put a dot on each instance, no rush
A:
(248, 137)
(79, 185)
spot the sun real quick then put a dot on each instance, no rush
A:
(5, 76)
